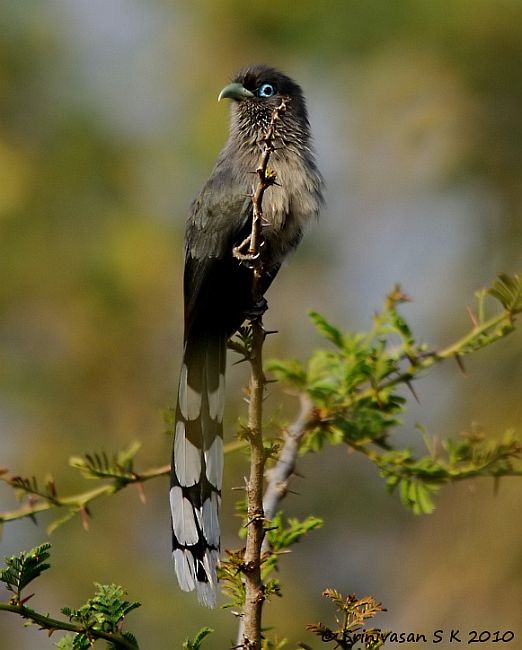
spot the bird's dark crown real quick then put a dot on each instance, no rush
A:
(252, 77)
(255, 77)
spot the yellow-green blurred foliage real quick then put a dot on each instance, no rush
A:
(108, 126)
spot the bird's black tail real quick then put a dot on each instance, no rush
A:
(197, 465)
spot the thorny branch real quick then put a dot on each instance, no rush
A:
(40, 500)
(48, 498)
(52, 624)
(266, 179)
(249, 636)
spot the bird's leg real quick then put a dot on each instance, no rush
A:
(255, 311)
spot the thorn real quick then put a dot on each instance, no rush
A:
(31, 501)
(51, 487)
(84, 514)
(460, 364)
(473, 317)
(236, 363)
(24, 600)
(412, 390)
(141, 492)
(254, 519)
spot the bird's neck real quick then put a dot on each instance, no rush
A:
(291, 137)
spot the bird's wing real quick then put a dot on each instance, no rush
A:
(216, 286)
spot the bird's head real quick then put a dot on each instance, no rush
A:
(257, 90)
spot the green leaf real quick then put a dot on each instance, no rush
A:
(195, 643)
(424, 504)
(290, 371)
(327, 330)
(82, 642)
(282, 536)
(100, 465)
(508, 291)
(126, 456)
(22, 569)
(105, 611)
(74, 642)
(130, 637)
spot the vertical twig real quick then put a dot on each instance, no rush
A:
(254, 596)
(249, 637)
(265, 180)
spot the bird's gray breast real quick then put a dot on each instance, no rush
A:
(290, 204)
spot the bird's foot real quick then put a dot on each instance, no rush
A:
(243, 254)
(257, 310)
(245, 258)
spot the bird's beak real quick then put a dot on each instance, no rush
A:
(234, 91)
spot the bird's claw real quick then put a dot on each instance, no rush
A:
(246, 258)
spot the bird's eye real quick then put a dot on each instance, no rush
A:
(266, 90)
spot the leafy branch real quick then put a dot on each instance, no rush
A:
(377, 363)
(352, 614)
(469, 456)
(118, 468)
(281, 534)
(101, 617)
(349, 394)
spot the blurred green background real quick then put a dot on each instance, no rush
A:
(108, 126)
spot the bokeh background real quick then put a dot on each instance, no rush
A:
(108, 126)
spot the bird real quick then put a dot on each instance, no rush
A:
(218, 296)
